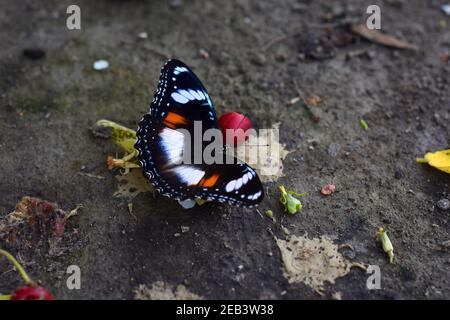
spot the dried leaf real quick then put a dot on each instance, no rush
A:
(35, 223)
(163, 291)
(312, 261)
(313, 100)
(132, 184)
(122, 136)
(381, 38)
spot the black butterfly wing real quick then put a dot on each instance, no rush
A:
(181, 99)
(236, 184)
(161, 155)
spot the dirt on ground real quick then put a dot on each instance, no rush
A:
(260, 54)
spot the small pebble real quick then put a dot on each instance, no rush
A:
(258, 59)
(184, 229)
(34, 53)
(143, 35)
(204, 54)
(446, 9)
(328, 189)
(443, 204)
(349, 254)
(100, 65)
(280, 56)
(175, 3)
(398, 174)
(176, 235)
(333, 149)
(371, 54)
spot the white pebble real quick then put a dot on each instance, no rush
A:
(446, 9)
(143, 35)
(100, 65)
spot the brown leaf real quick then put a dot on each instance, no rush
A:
(313, 100)
(381, 38)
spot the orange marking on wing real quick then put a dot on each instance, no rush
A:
(168, 124)
(175, 118)
(209, 182)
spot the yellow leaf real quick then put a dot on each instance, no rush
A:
(123, 136)
(439, 159)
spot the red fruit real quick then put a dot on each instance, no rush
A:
(233, 121)
(32, 293)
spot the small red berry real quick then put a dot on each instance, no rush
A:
(234, 121)
(32, 293)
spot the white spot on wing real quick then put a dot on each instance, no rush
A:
(238, 184)
(186, 94)
(230, 186)
(188, 174)
(195, 94)
(172, 143)
(179, 98)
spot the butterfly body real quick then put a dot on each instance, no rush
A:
(166, 133)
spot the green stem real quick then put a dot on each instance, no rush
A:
(17, 265)
(421, 160)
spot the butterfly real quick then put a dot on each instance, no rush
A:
(179, 101)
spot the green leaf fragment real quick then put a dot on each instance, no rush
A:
(364, 124)
(291, 204)
(269, 213)
(386, 244)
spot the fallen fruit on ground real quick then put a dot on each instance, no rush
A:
(235, 128)
(31, 291)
